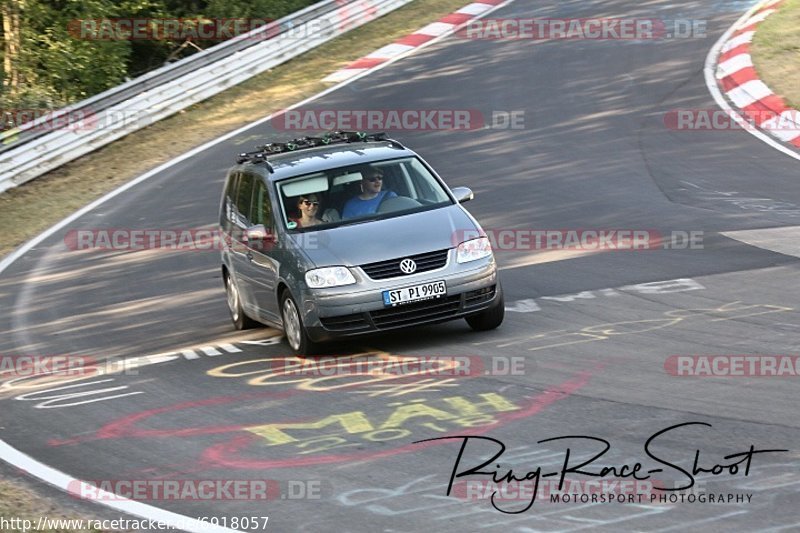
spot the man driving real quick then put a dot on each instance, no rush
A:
(371, 195)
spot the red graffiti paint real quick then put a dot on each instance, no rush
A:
(230, 454)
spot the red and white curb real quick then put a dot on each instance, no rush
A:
(409, 43)
(738, 80)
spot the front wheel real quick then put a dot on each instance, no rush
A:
(490, 318)
(238, 317)
(296, 334)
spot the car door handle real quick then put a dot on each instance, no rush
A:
(249, 255)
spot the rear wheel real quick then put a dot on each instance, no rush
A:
(238, 317)
(490, 318)
(296, 334)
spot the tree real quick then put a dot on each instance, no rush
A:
(10, 13)
(45, 66)
(50, 61)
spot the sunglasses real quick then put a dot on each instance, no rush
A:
(373, 179)
(309, 202)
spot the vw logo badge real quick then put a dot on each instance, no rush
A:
(408, 266)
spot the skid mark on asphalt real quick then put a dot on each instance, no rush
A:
(768, 206)
(658, 287)
(601, 332)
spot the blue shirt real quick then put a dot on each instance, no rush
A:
(356, 207)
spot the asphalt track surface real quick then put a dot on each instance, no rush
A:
(594, 154)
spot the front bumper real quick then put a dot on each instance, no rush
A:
(340, 313)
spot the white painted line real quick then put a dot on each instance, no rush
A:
(435, 29)
(275, 339)
(783, 240)
(61, 480)
(523, 306)
(780, 130)
(746, 37)
(210, 351)
(475, 8)
(190, 354)
(734, 65)
(749, 92)
(786, 126)
(343, 75)
(390, 50)
(713, 88)
(230, 348)
(758, 17)
(66, 483)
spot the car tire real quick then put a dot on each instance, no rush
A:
(490, 318)
(238, 316)
(296, 335)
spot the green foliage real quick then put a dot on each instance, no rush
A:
(265, 9)
(58, 67)
(55, 67)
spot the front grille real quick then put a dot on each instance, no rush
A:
(391, 268)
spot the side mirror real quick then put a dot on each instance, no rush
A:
(463, 194)
(256, 233)
(257, 237)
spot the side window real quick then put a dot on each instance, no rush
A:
(244, 195)
(260, 208)
(228, 217)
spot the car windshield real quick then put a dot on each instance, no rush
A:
(353, 194)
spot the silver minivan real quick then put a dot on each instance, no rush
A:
(351, 234)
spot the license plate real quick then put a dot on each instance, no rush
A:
(425, 291)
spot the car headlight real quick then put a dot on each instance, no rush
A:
(329, 277)
(473, 250)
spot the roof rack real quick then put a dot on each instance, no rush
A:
(261, 153)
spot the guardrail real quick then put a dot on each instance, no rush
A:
(165, 91)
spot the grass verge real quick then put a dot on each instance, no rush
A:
(19, 502)
(31, 208)
(776, 52)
